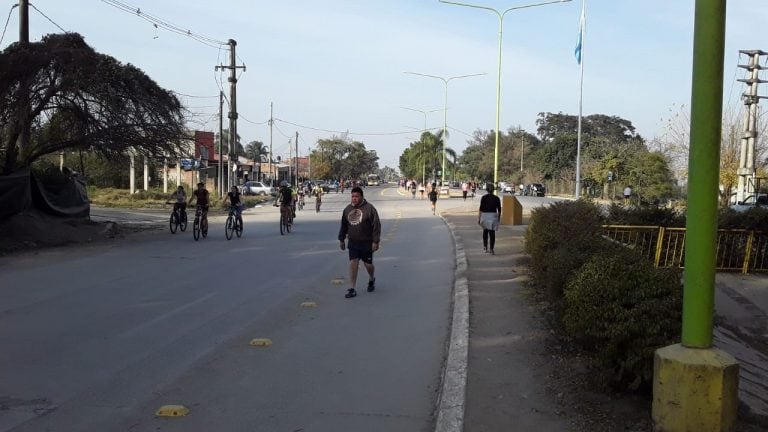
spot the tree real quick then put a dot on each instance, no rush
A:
(81, 100)
(240, 151)
(477, 161)
(342, 158)
(256, 151)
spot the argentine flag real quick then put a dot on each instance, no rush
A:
(582, 24)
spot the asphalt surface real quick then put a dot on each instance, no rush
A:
(99, 338)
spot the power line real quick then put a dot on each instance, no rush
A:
(46, 17)
(343, 132)
(240, 116)
(158, 22)
(193, 96)
(7, 21)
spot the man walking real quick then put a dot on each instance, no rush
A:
(361, 229)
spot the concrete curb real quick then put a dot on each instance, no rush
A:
(451, 402)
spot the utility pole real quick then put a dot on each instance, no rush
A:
(746, 171)
(290, 165)
(232, 106)
(271, 122)
(309, 162)
(23, 109)
(522, 149)
(296, 143)
(221, 145)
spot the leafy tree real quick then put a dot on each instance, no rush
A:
(339, 157)
(649, 173)
(477, 161)
(256, 150)
(78, 99)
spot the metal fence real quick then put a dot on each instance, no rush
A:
(737, 250)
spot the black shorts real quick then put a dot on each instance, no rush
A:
(361, 251)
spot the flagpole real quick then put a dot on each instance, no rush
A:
(582, 30)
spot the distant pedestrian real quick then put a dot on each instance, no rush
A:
(488, 217)
(421, 190)
(627, 194)
(464, 190)
(432, 195)
(361, 230)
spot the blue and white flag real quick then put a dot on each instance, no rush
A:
(582, 24)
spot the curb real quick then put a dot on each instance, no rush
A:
(452, 398)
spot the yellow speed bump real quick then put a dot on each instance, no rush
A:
(261, 342)
(309, 304)
(172, 411)
(337, 281)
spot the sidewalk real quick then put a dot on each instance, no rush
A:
(519, 375)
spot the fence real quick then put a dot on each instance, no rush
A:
(737, 250)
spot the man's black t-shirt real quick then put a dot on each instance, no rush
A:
(432, 195)
(234, 198)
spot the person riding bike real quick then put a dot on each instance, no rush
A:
(318, 193)
(202, 197)
(285, 196)
(302, 193)
(180, 197)
(234, 201)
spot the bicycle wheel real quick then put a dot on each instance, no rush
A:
(183, 222)
(196, 229)
(282, 222)
(239, 227)
(317, 207)
(204, 227)
(174, 222)
(289, 224)
(229, 228)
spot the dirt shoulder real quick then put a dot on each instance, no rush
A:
(34, 231)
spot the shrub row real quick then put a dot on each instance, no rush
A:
(610, 300)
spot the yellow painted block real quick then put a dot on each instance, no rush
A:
(309, 304)
(261, 342)
(694, 390)
(172, 411)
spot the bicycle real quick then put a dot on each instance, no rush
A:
(200, 226)
(301, 202)
(317, 205)
(234, 224)
(178, 219)
(285, 219)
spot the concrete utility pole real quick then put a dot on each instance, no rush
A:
(296, 143)
(746, 171)
(232, 107)
(271, 122)
(23, 108)
(221, 145)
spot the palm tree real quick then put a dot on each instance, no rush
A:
(256, 151)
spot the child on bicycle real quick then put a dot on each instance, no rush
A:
(180, 203)
(202, 197)
(234, 201)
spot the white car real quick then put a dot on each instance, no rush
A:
(752, 201)
(255, 188)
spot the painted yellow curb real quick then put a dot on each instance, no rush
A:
(172, 411)
(261, 342)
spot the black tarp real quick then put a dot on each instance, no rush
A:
(15, 193)
(21, 191)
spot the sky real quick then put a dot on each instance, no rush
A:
(334, 66)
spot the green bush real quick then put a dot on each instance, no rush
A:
(560, 239)
(622, 308)
(752, 219)
(620, 215)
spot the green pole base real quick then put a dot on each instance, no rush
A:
(694, 390)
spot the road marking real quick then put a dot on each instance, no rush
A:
(309, 304)
(337, 281)
(261, 342)
(172, 411)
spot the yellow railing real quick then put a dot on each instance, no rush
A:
(737, 250)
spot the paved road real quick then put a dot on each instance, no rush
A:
(97, 339)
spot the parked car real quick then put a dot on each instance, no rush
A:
(330, 187)
(535, 189)
(256, 188)
(752, 201)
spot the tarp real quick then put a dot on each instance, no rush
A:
(15, 193)
(21, 191)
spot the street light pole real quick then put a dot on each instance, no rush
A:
(498, 76)
(423, 145)
(445, 116)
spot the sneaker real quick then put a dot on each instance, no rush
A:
(371, 285)
(350, 293)
(492, 252)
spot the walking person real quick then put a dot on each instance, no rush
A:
(488, 217)
(464, 190)
(433, 197)
(627, 194)
(360, 233)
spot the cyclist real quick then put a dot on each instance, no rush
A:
(302, 192)
(285, 197)
(318, 193)
(180, 197)
(234, 201)
(202, 197)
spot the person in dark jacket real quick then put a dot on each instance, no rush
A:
(360, 234)
(488, 217)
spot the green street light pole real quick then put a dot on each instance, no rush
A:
(423, 156)
(445, 115)
(498, 76)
